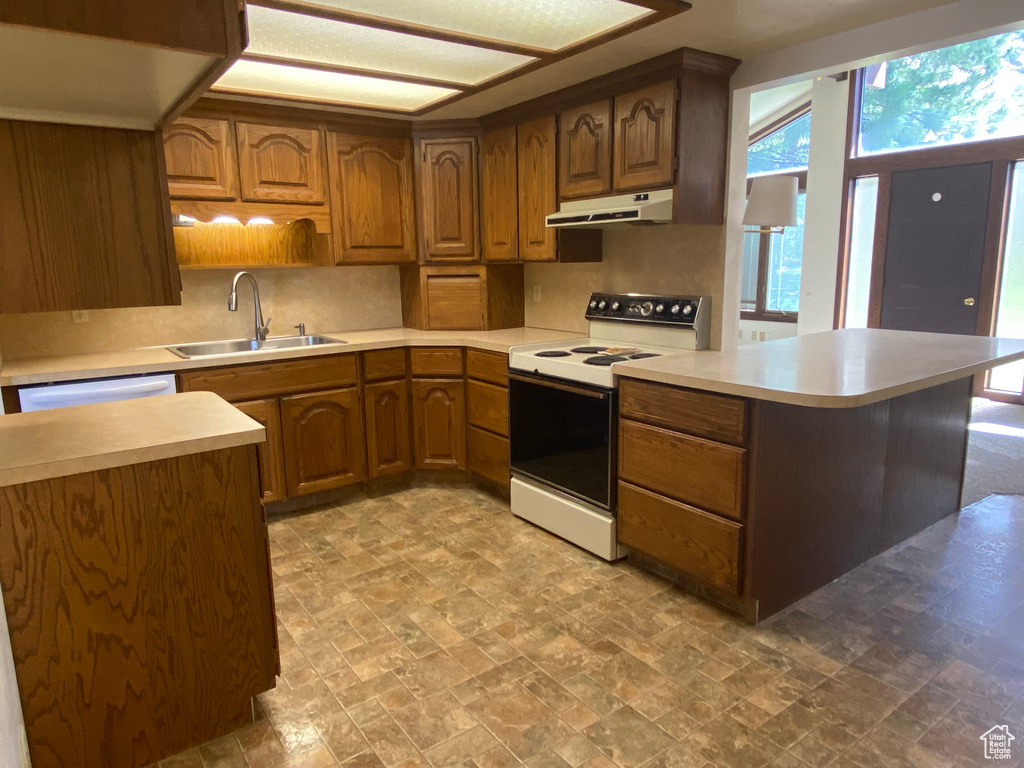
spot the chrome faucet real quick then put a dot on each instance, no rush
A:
(262, 329)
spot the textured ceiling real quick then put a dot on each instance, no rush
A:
(739, 28)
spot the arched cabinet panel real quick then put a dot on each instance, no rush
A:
(387, 427)
(645, 131)
(448, 193)
(439, 423)
(278, 164)
(585, 147)
(323, 440)
(200, 162)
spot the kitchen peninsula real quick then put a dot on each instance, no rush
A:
(758, 475)
(134, 563)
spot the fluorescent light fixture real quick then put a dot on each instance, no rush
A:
(548, 24)
(259, 78)
(260, 220)
(225, 220)
(323, 41)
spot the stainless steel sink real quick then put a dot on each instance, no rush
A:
(245, 346)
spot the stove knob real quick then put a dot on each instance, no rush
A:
(615, 306)
(660, 308)
(688, 309)
(647, 309)
(603, 304)
(593, 303)
(675, 309)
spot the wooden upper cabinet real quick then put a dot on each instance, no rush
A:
(387, 427)
(585, 151)
(201, 160)
(283, 165)
(448, 189)
(645, 126)
(323, 440)
(371, 198)
(500, 193)
(439, 424)
(537, 189)
(85, 221)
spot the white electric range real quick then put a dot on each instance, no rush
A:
(563, 411)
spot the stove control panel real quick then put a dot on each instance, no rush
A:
(681, 311)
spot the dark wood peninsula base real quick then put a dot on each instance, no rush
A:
(756, 504)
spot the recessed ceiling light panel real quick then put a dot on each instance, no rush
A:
(261, 79)
(310, 38)
(549, 24)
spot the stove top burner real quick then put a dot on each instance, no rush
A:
(605, 360)
(589, 350)
(643, 355)
(554, 353)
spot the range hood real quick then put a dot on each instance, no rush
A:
(640, 208)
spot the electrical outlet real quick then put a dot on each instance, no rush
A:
(536, 293)
(79, 316)
(762, 336)
(741, 334)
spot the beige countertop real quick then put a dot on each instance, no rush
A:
(86, 438)
(837, 369)
(157, 359)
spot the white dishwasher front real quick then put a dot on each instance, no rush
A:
(46, 396)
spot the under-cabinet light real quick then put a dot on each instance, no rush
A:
(225, 220)
(260, 220)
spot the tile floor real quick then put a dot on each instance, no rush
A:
(432, 628)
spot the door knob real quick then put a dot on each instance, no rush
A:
(968, 302)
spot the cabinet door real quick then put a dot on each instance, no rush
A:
(84, 219)
(371, 199)
(283, 165)
(387, 427)
(200, 160)
(537, 193)
(645, 132)
(500, 190)
(439, 424)
(323, 440)
(271, 453)
(585, 151)
(448, 188)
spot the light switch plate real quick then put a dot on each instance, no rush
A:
(536, 293)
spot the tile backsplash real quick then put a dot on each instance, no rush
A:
(679, 259)
(325, 299)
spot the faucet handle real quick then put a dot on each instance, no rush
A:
(301, 327)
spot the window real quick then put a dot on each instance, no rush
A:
(1010, 307)
(770, 280)
(862, 247)
(771, 271)
(787, 149)
(963, 93)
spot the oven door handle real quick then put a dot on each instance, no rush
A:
(565, 387)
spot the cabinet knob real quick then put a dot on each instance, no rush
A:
(968, 302)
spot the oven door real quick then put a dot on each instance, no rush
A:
(562, 434)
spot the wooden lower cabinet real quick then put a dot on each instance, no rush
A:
(387, 428)
(323, 440)
(489, 456)
(140, 607)
(439, 423)
(701, 545)
(271, 453)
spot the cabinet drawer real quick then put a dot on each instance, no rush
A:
(689, 469)
(700, 545)
(489, 456)
(381, 364)
(487, 366)
(488, 407)
(249, 382)
(716, 417)
(436, 361)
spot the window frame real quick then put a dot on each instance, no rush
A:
(760, 312)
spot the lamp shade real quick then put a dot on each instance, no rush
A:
(772, 201)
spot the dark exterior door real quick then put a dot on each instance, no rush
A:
(935, 248)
